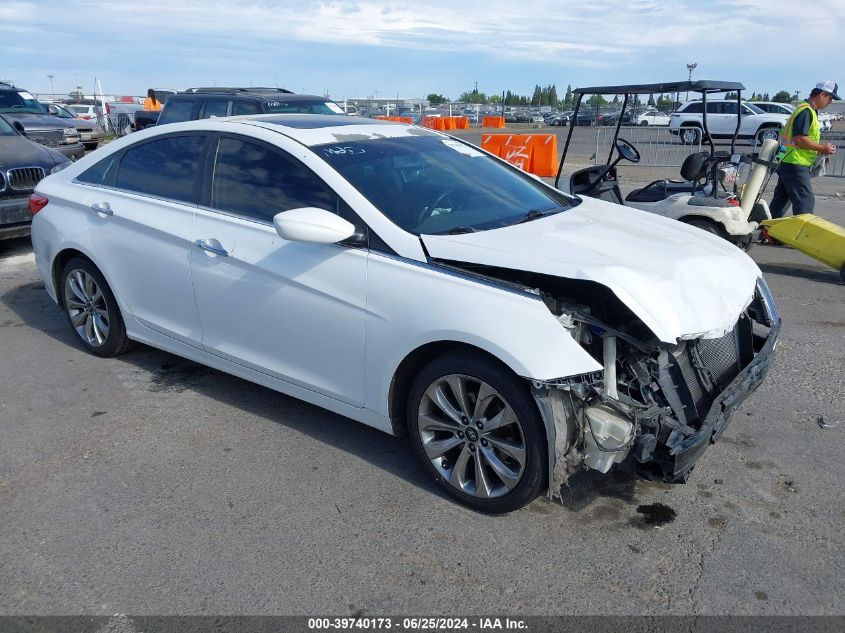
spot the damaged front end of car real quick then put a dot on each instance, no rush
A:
(657, 406)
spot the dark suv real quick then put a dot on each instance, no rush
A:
(204, 103)
(22, 165)
(31, 118)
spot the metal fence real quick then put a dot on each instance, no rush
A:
(659, 148)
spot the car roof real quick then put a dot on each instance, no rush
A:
(309, 129)
(250, 94)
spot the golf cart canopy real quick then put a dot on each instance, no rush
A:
(703, 85)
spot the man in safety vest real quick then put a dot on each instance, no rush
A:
(801, 135)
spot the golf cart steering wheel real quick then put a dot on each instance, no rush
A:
(627, 150)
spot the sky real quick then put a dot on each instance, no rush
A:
(363, 48)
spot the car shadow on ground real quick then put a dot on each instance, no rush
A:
(168, 373)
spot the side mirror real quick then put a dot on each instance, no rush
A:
(310, 224)
(19, 127)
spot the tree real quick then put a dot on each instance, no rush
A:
(731, 95)
(567, 98)
(553, 99)
(766, 97)
(434, 99)
(537, 97)
(473, 97)
(597, 100)
(782, 97)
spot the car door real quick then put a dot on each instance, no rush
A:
(721, 120)
(293, 310)
(140, 223)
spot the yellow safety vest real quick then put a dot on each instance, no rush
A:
(796, 155)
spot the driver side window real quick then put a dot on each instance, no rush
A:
(257, 182)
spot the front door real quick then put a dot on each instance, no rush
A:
(292, 310)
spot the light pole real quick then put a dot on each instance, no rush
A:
(691, 67)
(52, 91)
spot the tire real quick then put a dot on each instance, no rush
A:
(90, 147)
(492, 469)
(690, 135)
(91, 309)
(770, 132)
(707, 225)
(643, 122)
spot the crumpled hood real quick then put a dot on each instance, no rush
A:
(681, 281)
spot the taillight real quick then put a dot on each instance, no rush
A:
(37, 202)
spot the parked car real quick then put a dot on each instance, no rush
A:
(755, 124)
(31, 118)
(587, 117)
(651, 117)
(90, 132)
(825, 119)
(22, 166)
(350, 109)
(558, 120)
(407, 280)
(84, 111)
(204, 103)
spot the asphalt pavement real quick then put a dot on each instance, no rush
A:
(148, 484)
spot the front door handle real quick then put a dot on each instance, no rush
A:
(212, 246)
(102, 207)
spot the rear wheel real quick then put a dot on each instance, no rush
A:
(91, 309)
(476, 429)
(767, 133)
(643, 122)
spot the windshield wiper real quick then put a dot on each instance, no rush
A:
(533, 215)
(458, 230)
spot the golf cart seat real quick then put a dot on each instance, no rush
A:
(693, 169)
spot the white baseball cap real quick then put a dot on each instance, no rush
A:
(829, 86)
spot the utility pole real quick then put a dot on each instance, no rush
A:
(691, 67)
(52, 91)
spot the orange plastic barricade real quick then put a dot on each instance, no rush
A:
(396, 119)
(534, 153)
(430, 122)
(461, 123)
(493, 121)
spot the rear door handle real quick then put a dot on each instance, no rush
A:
(102, 207)
(212, 246)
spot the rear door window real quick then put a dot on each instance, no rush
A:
(165, 168)
(245, 107)
(177, 110)
(214, 108)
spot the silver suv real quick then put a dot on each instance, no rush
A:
(756, 125)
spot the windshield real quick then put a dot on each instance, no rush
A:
(754, 108)
(304, 106)
(20, 102)
(435, 185)
(60, 112)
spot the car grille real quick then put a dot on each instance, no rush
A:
(50, 138)
(707, 366)
(24, 178)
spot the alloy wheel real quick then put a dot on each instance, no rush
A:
(86, 306)
(472, 436)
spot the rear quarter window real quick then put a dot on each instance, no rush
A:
(165, 168)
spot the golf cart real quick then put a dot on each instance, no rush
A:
(706, 196)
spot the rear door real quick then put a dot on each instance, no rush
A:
(292, 310)
(721, 118)
(140, 222)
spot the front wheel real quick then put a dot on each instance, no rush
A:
(474, 426)
(643, 122)
(91, 309)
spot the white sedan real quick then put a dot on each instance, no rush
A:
(414, 283)
(652, 117)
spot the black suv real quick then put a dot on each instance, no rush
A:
(31, 118)
(204, 103)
